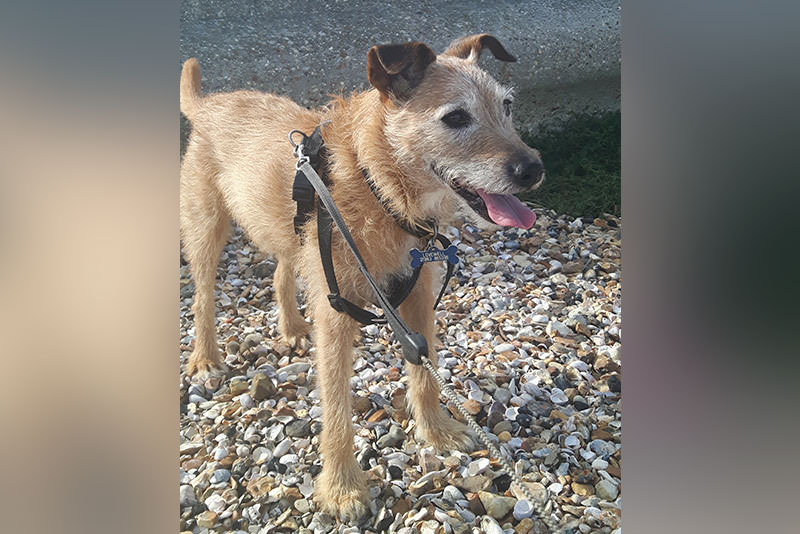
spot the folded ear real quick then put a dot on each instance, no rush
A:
(396, 69)
(470, 47)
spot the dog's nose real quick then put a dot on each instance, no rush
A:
(525, 171)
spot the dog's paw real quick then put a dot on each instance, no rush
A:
(297, 335)
(200, 368)
(299, 343)
(343, 494)
(348, 506)
(446, 434)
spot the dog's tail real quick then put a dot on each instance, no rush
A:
(190, 87)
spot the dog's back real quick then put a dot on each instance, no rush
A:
(242, 126)
(239, 152)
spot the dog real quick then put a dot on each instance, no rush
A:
(434, 134)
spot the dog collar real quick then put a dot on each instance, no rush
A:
(426, 229)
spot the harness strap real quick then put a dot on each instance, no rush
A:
(398, 293)
(450, 270)
(304, 193)
(401, 288)
(338, 302)
(414, 344)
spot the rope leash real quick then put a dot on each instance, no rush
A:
(540, 510)
(415, 347)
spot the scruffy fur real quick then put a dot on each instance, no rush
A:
(239, 165)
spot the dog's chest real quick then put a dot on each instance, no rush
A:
(396, 258)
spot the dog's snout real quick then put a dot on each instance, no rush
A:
(525, 171)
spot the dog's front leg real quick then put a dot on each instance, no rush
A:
(341, 488)
(434, 425)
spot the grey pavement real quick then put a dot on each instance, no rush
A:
(568, 51)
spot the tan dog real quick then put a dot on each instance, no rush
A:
(435, 136)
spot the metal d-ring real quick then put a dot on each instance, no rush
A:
(291, 137)
(299, 148)
(435, 234)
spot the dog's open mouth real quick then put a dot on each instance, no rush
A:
(505, 210)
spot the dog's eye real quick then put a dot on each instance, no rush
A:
(507, 106)
(458, 118)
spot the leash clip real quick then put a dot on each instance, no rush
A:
(300, 154)
(302, 140)
(302, 159)
(299, 148)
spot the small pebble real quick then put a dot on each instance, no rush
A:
(215, 503)
(452, 494)
(289, 459)
(246, 401)
(490, 526)
(299, 428)
(220, 475)
(478, 466)
(606, 490)
(282, 448)
(302, 505)
(393, 438)
(504, 347)
(187, 495)
(599, 464)
(262, 455)
(206, 519)
(522, 509)
(558, 396)
(580, 403)
(496, 506)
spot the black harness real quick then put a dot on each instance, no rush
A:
(304, 194)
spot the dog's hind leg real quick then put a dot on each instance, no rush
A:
(341, 488)
(291, 323)
(433, 425)
(204, 229)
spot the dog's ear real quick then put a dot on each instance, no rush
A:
(396, 69)
(470, 48)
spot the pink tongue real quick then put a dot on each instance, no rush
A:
(508, 210)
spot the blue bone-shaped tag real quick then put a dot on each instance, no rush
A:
(433, 254)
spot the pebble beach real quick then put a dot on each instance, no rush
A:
(530, 340)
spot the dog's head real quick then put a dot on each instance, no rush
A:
(450, 122)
